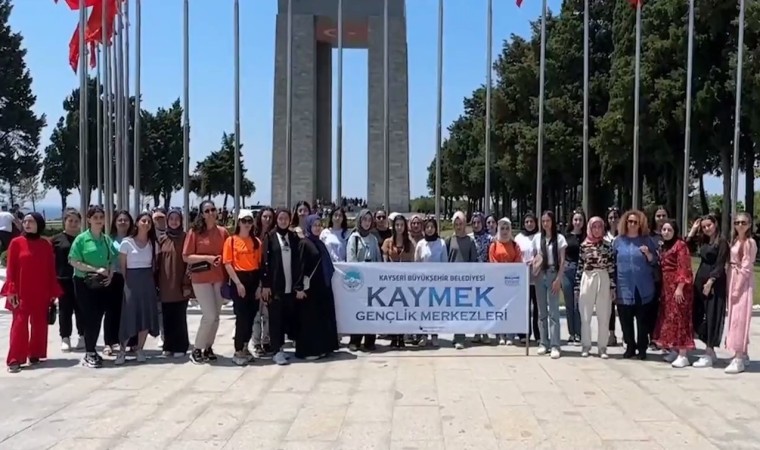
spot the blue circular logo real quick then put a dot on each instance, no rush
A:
(353, 280)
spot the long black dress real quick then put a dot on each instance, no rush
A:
(710, 310)
(315, 314)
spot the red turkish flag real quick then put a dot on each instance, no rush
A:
(74, 4)
(519, 3)
(93, 32)
(636, 3)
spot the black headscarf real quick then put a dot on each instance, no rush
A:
(40, 226)
(281, 231)
(524, 230)
(434, 237)
(667, 245)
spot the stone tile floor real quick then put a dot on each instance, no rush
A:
(484, 397)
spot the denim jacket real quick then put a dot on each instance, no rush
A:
(634, 272)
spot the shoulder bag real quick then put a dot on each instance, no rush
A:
(228, 288)
(94, 280)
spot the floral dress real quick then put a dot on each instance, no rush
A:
(674, 328)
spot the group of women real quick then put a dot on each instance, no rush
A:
(136, 279)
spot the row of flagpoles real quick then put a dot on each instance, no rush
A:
(107, 30)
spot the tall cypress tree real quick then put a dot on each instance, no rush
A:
(19, 127)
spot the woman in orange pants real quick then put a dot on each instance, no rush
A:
(30, 289)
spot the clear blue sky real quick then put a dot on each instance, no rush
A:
(47, 27)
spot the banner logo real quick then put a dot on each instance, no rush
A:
(353, 280)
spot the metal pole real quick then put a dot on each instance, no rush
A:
(339, 136)
(99, 126)
(737, 112)
(541, 92)
(186, 113)
(636, 91)
(138, 92)
(586, 55)
(108, 160)
(489, 65)
(386, 116)
(83, 203)
(119, 112)
(289, 110)
(687, 130)
(439, 114)
(236, 27)
(125, 164)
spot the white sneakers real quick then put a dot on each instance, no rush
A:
(542, 350)
(736, 366)
(680, 362)
(704, 361)
(555, 353)
(670, 356)
(65, 345)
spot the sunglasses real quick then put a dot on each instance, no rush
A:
(380, 217)
(247, 221)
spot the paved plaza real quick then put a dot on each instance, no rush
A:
(479, 398)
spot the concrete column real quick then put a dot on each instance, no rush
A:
(323, 172)
(398, 102)
(304, 110)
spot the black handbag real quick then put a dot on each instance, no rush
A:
(95, 280)
(198, 267)
(52, 314)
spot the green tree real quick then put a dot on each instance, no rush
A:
(61, 164)
(215, 175)
(162, 152)
(20, 127)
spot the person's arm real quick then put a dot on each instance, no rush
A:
(418, 251)
(52, 280)
(719, 268)
(444, 254)
(76, 259)
(561, 247)
(580, 270)
(473, 256)
(683, 266)
(266, 270)
(10, 288)
(492, 252)
(228, 260)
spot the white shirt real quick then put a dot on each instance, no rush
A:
(561, 245)
(434, 251)
(6, 221)
(137, 257)
(335, 243)
(528, 245)
(287, 267)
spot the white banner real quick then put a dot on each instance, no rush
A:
(429, 298)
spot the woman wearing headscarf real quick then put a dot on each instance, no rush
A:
(430, 249)
(594, 285)
(481, 236)
(674, 330)
(504, 249)
(279, 276)
(30, 289)
(527, 240)
(363, 247)
(174, 287)
(315, 311)
(261, 347)
(415, 229)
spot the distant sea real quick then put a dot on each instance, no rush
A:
(50, 212)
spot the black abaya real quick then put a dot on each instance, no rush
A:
(315, 314)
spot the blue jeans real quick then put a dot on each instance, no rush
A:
(572, 312)
(548, 309)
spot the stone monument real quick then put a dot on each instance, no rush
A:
(314, 29)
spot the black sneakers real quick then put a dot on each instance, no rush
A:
(209, 354)
(196, 357)
(92, 360)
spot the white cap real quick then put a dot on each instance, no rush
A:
(392, 216)
(245, 213)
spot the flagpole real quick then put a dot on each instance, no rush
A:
(119, 111)
(586, 37)
(541, 93)
(386, 116)
(489, 69)
(236, 27)
(687, 126)
(83, 204)
(186, 113)
(636, 95)
(339, 136)
(107, 142)
(125, 165)
(737, 112)
(289, 110)
(439, 114)
(99, 126)
(138, 88)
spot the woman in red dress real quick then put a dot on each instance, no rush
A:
(30, 289)
(674, 329)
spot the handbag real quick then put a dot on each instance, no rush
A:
(52, 314)
(198, 267)
(307, 280)
(95, 280)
